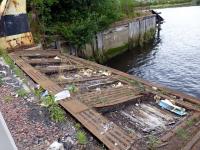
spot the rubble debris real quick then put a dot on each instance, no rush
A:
(56, 146)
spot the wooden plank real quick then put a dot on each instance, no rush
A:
(192, 142)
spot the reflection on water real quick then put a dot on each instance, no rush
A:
(173, 59)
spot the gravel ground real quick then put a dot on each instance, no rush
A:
(30, 124)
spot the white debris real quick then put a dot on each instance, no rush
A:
(77, 76)
(137, 104)
(57, 57)
(62, 95)
(119, 84)
(106, 73)
(154, 88)
(45, 93)
(98, 89)
(157, 98)
(62, 77)
(3, 72)
(106, 127)
(56, 146)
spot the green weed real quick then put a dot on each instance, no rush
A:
(8, 99)
(22, 93)
(57, 114)
(1, 80)
(191, 122)
(182, 134)
(81, 137)
(152, 142)
(77, 126)
(48, 101)
(72, 88)
(38, 92)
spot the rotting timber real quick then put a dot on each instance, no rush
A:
(119, 109)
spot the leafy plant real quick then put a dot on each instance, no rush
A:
(152, 142)
(57, 114)
(77, 126)
(191, 122)
(48, 100)
(81, 137)
(72, 88)
(7, 99)
(182, 134)
(22, 93)
(38, 92)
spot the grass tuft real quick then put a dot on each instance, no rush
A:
(81, 137)
(153, 142)
(22, 93)
(182, 134)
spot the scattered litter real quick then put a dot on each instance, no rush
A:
(57, 57)
(3, 72)
(166, 104)
(137, 104)
(77, 76)
(106, 127)
(45, 93)
(106, 73)
(119, 84)
(62, 95)
(157, 98)
(36, 86)
(154, 88)
(87, 72)
(56, 146)
(98, 89)
(62, 77)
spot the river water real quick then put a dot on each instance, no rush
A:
(173, 58)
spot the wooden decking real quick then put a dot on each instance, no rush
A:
(98, 87)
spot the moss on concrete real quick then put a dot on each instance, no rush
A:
(141, 40)
(149, 35)
(115, 51)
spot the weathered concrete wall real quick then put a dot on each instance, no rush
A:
(120, 37)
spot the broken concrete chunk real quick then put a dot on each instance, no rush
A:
(56, 146)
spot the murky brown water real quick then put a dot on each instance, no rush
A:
(173, 59)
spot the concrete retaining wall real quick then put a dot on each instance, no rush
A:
(120, 37)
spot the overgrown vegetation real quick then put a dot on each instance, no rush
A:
(152, 142)
(182, 134)
(56, 113)
(81, 137)
(8, 99)
(22, 92)
(11, 64)
(1, 80)
(77, 21)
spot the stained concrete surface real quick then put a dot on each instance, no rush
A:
(6, 140)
